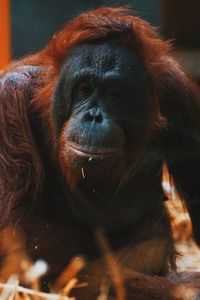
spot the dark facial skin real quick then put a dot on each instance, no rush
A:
(100, 109)
(102, 86)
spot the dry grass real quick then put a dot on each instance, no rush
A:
(189, 258)
(28, 274)
(24, 283)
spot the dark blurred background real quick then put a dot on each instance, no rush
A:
(34, 22)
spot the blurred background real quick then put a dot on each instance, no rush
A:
(27, 25)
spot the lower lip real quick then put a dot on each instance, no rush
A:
(85, 154)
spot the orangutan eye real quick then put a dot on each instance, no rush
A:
(85, 89)
(113, 94)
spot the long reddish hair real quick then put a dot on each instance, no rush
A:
(20, 164)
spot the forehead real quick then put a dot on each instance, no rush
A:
(102, 57)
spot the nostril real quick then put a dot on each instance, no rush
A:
(98, 118)
(94, 115)
(89, 117)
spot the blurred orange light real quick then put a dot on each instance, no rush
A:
(4, 33)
